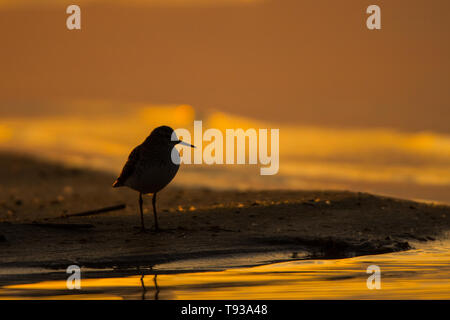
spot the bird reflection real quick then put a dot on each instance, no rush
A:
(144, 289)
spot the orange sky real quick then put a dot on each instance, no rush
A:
(304, 62)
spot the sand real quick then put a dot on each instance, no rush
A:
(196, 223)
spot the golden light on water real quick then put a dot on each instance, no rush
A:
(416, 274)
(174, 116)
(309, 156)
(5, 133)
(89, 140)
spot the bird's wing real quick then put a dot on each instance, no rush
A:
(128, 168)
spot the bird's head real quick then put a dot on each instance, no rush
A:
(166, 135)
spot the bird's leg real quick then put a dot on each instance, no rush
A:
(154, 212)
(142, 213)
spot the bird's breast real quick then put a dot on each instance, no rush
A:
(154, 171)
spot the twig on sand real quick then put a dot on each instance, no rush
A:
(93, 212)
(80, 214)
(69, 226)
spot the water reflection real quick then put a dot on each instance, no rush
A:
(422, 273)
(144, 288)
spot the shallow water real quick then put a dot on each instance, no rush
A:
(422, 273)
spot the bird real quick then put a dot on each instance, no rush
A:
(151, 166)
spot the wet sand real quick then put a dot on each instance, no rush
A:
(197, 223)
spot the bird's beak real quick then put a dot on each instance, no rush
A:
(185, 144)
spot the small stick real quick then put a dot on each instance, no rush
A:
(61, 225)
(93, 212)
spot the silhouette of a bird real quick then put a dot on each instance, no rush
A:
(151, 166)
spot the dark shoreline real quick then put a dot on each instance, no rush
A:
(198, 223)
